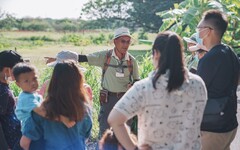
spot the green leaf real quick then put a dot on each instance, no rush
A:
(215, 5)
(190, 16)
(167, 24)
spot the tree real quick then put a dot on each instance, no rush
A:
(8, 22)
(184, 18)
(131, 13)
(34, 24)
(1, 14)
(143, 13)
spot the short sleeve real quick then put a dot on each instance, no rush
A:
(132, 102)
(33, 129)
(97, 58)
(203, 90)
(26, 103)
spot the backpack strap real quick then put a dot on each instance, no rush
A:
(107, 63)
(130, 69)
(107, 60)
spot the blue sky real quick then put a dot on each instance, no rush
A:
(42, 8)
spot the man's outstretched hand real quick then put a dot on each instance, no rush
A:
(49, 59)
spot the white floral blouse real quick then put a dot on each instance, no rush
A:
(169, 121)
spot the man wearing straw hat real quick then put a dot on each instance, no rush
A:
(119, 72)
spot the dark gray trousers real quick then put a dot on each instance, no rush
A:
(104, 112)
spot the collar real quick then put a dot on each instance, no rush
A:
(164, 77)
(163, 80)
(126, 55)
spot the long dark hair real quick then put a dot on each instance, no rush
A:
(170, 46)
(66, 94)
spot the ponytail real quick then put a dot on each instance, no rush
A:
(170, 47)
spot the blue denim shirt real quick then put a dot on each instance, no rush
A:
(54, 135)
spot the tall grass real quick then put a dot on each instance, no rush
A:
(145, 65)
(93, 78)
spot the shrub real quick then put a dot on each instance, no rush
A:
(36, 38)
(142, 35)
(15, 89)
(145, 66)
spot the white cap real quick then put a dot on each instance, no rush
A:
(121, 32)
(66, 55)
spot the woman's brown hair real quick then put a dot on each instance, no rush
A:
(66, 94)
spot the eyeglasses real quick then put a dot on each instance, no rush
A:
(204, 27)
(125, 41)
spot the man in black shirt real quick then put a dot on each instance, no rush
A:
(219, 69)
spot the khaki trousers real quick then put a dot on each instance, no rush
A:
(217, 141)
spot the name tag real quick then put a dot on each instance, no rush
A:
(119, 74)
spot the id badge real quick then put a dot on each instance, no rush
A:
(120, 72)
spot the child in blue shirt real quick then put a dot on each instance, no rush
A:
(27, 79)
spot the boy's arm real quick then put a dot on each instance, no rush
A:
(25, 142)
(42, 91)
(89, 93)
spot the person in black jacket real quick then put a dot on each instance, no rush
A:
(219, 69)
(10, 126)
